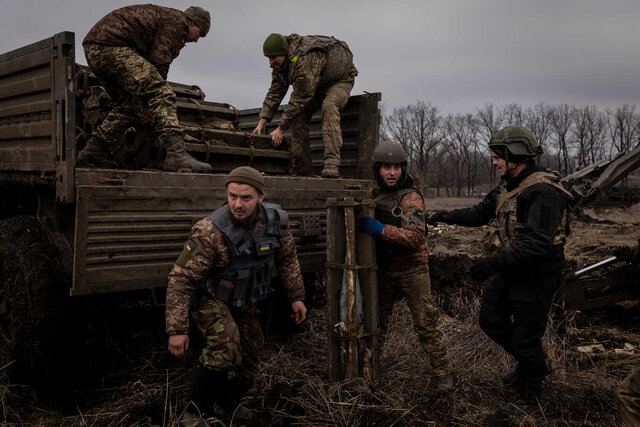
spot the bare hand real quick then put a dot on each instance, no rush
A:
(178, 344)
(146, 118)
(260, 126)
(276, 137)
(299, 312)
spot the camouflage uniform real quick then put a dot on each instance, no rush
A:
(130, 50)
(403, 270)
(322, 74)
(233, 336)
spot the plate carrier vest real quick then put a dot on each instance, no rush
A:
(248, 277)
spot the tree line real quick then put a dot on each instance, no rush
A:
(449, 153)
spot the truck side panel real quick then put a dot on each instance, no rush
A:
(37, 111)
(131, 225)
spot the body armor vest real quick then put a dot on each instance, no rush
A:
(385, 204)
(247, 279)
(339, 57)
(504, 228)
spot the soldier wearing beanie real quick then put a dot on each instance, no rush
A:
(227, 267)
(322, 74)
(130, 50)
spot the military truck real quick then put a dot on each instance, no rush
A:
(122, 229)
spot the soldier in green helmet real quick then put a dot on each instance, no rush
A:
(322, 74)
(527, 215)
(129, 50)
(403, 269)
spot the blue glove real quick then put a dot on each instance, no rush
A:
(370, 225)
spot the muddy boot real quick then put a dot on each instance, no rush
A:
(443, 383)
(95, 155)
(178, 158)
(526, 401)
(330, 171)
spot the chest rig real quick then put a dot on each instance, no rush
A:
(386, 203)
(505, 228)
(248, 277)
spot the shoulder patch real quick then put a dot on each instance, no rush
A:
(187, 251)
(300, 77)
(418, 216)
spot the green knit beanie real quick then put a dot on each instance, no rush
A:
(275, 45)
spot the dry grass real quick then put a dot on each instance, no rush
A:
(292, 388)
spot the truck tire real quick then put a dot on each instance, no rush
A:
(34, 302)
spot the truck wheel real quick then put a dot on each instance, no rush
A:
(34, 300)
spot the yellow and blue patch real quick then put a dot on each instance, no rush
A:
(187, 251)
(264, 247)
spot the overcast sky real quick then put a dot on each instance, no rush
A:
(458, 55)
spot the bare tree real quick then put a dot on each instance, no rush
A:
(623, 129)
(537, 120)
(490, 120)
(512, 114)
(561, 120)
(417, 128)
(461, 136)
(588, 134)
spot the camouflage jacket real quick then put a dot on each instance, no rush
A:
(157, 33)
(401, 248)
(311, 62)
(211, 252)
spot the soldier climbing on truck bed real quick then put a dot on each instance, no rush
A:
(322, 74)
(130, 50)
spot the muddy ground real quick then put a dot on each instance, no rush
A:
(144, 385)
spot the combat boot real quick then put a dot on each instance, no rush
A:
(178, 158)
(526, 401)
(95, 155)
(205, 386)
(330, 171)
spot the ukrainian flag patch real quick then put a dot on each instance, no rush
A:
(300, 77)
(187, 251)
(265, 247)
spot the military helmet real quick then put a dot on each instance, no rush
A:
(275, 45)
(200, 17)
(389, 152)
(517, 140)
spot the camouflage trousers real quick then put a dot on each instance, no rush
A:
(135, 84)
(628, 394)
(414, 285)
(233, 340)
(332, 100)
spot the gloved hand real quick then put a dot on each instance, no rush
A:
(370, 225)
(481, 270)
(439, 216)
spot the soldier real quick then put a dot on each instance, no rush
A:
(528, 215)
(225, 268)
(403, 254)
(322, 74)
(130, 50)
